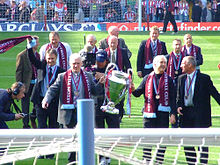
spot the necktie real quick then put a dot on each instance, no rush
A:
(190, 101)
(50, 73)
(113, 57)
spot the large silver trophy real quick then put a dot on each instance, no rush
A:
(116, 85)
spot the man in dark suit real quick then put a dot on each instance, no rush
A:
(169, 16)
(159, 108)
(114, 31)
(189, 49)
(173, 68)
(27, 74)
(75, 84)
(148, 50)
(193, 102)
(47, 73)
(118, 56)
(7, 98)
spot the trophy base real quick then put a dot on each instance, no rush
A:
(110, 108)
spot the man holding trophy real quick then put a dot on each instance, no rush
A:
(158, 90)
(119, 57)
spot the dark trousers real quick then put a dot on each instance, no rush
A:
(25, 106)
(188, 121)
(47, 118)
(162, 121)
(50, 115)
(169, 17)
(72, 124)
(112, 120)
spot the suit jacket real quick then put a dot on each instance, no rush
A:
(23, 69)
(141, 59)
(5, 112)
(204, 88)
(56, 89)
(41, 72)
(199, 58)
(103, 44)
(125, 61)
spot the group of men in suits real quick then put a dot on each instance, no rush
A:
(192, 104)
(160, 85)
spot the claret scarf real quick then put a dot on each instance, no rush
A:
(9, 43)
(164, 102)
(68, 102)
(174, 64)
(61, 50)
(194, 50)
(148, 55)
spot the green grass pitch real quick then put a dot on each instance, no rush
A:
(208, 41)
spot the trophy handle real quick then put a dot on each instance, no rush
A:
(110, 66)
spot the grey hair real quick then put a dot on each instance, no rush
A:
(75, 56)
(158, 57)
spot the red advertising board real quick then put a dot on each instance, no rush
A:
(182, 26)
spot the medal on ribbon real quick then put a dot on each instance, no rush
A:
(156, 89)
(176, 63)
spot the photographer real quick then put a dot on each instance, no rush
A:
(88, 58)
(6, 100)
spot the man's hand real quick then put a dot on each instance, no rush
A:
(179, 109)
(18, 116)
(102, 79)
(140, 74)
(45, 105)
(98, 75)
(172, 119)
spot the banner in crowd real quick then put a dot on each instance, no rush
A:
(33, 27)
(182, 26)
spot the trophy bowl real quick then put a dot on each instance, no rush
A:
(116, 85)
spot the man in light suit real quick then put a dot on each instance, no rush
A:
(27, 74)
(75, 84)
(114, 31)
(148, 50)
(193, 102)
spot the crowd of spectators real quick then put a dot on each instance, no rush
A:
(107, 10)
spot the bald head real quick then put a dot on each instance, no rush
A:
(113, 31)
(91, 40)
(113, 42)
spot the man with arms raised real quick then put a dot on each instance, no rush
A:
(74, 84)
(114, 31)
(63, 50)
(157, 88)
(148, 50)
(27, 74)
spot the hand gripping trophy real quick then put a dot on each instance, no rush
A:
(117, 83)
